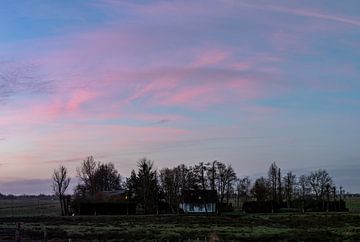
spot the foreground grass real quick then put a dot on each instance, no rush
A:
(279, 227)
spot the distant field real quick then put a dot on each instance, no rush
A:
(29, 207)
(353, 203)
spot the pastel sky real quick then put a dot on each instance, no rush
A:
(243, 82)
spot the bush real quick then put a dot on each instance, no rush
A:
(261, 207)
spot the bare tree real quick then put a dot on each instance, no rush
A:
(212, 174)
(280, 187)
(170, 184)
(289, 187)
(243, 189)
(225, 181)
(318, 181)
(86, 174)
(200, 170)
(260, 189)
(60, 182)
(304, 189)
(273, 180)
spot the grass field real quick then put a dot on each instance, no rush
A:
(37, 216)
(279, 227)
(353, 203)
(29, 207)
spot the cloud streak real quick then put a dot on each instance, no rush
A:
(20, 79)
(305, 13)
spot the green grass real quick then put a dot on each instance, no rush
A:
(29, 207)
(353, 203)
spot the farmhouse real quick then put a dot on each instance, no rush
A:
(199, 201)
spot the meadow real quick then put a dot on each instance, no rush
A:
(29, 207)
(40, 216)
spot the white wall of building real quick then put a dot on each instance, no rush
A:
(194, 208)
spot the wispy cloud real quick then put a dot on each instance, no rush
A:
(304, 13)
(20, 79)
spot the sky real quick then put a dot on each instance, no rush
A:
(239, 81)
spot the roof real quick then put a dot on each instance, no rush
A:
(199, 196)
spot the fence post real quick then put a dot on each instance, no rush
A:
(17, 232)
(44, 233)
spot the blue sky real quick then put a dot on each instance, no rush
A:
(243, 82)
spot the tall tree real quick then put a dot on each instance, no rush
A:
(304, 189)
(200, 172)
(260, 190)
(303, 186)
(60, 182)
(170, 184)
(145, 185)
(225, 181)
(280, 187)
(212, 174)
(106, 178)
(86, 174)
(243, 188)
(318, 181)
(289, 187)
(96, 177)
(273, 180)
(185, 176)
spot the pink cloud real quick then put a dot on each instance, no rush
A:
(211, 57)
(79, 97)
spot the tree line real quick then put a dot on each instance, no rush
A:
(148, 186)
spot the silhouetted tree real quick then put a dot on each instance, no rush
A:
(86, 174)
(212, 174)
(280, 187)
(243, 187)
(186, 177)
(289, 187)
(96, 177)
(145, 185)
(200, 174)
(260, 189)
(170, 184)
(273, 180)
(318, 181)
(106, 178)
(304, 189)
(60, 182)
(225, 181)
